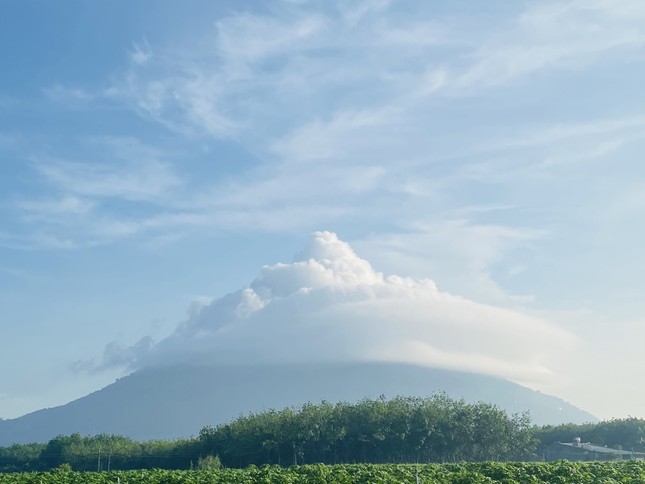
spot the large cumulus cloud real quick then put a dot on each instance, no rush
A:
(329, 305)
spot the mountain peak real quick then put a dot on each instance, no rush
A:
(330, 305)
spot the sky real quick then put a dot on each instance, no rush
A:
(450, 184)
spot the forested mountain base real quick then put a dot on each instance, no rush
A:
(465, 473)
(176, 402)
(406, 429)
(403, 430)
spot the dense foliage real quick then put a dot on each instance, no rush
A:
(626, 433)
(408, 429)
(463, 473)
(21, 457)
(101, 452)
(435, 429)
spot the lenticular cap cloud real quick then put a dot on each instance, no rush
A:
(330, 305)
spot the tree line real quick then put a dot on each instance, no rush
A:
(404, 429)
(624, 433)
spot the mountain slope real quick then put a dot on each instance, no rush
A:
(167, 403)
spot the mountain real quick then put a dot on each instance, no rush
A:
(173, 402)
(331, 307)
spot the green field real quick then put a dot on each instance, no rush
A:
(486, 472)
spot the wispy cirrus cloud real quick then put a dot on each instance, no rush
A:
(80, 202)
(48, 209)
(459, 252)
(367, 111)
(70, 96)
(140, 53)
(124, 168)
(560, 36)
(140, 181)
(289, 56)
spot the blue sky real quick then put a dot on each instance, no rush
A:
(156, 155)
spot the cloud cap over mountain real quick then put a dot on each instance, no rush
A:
(330, 305)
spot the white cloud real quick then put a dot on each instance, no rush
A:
(259, 67)
(554, 36)
(140, 54)
(334, 138)
(353, 13)
(540, 136)
(114, 356)
(48, 209)
(262, 68)
(301, 86)
(331, 305)
(340, 104)
(119, 187)
(69, 96)
(133, 172)
(36, 241)
(344, 109)
(271, 37)
(459, 253)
